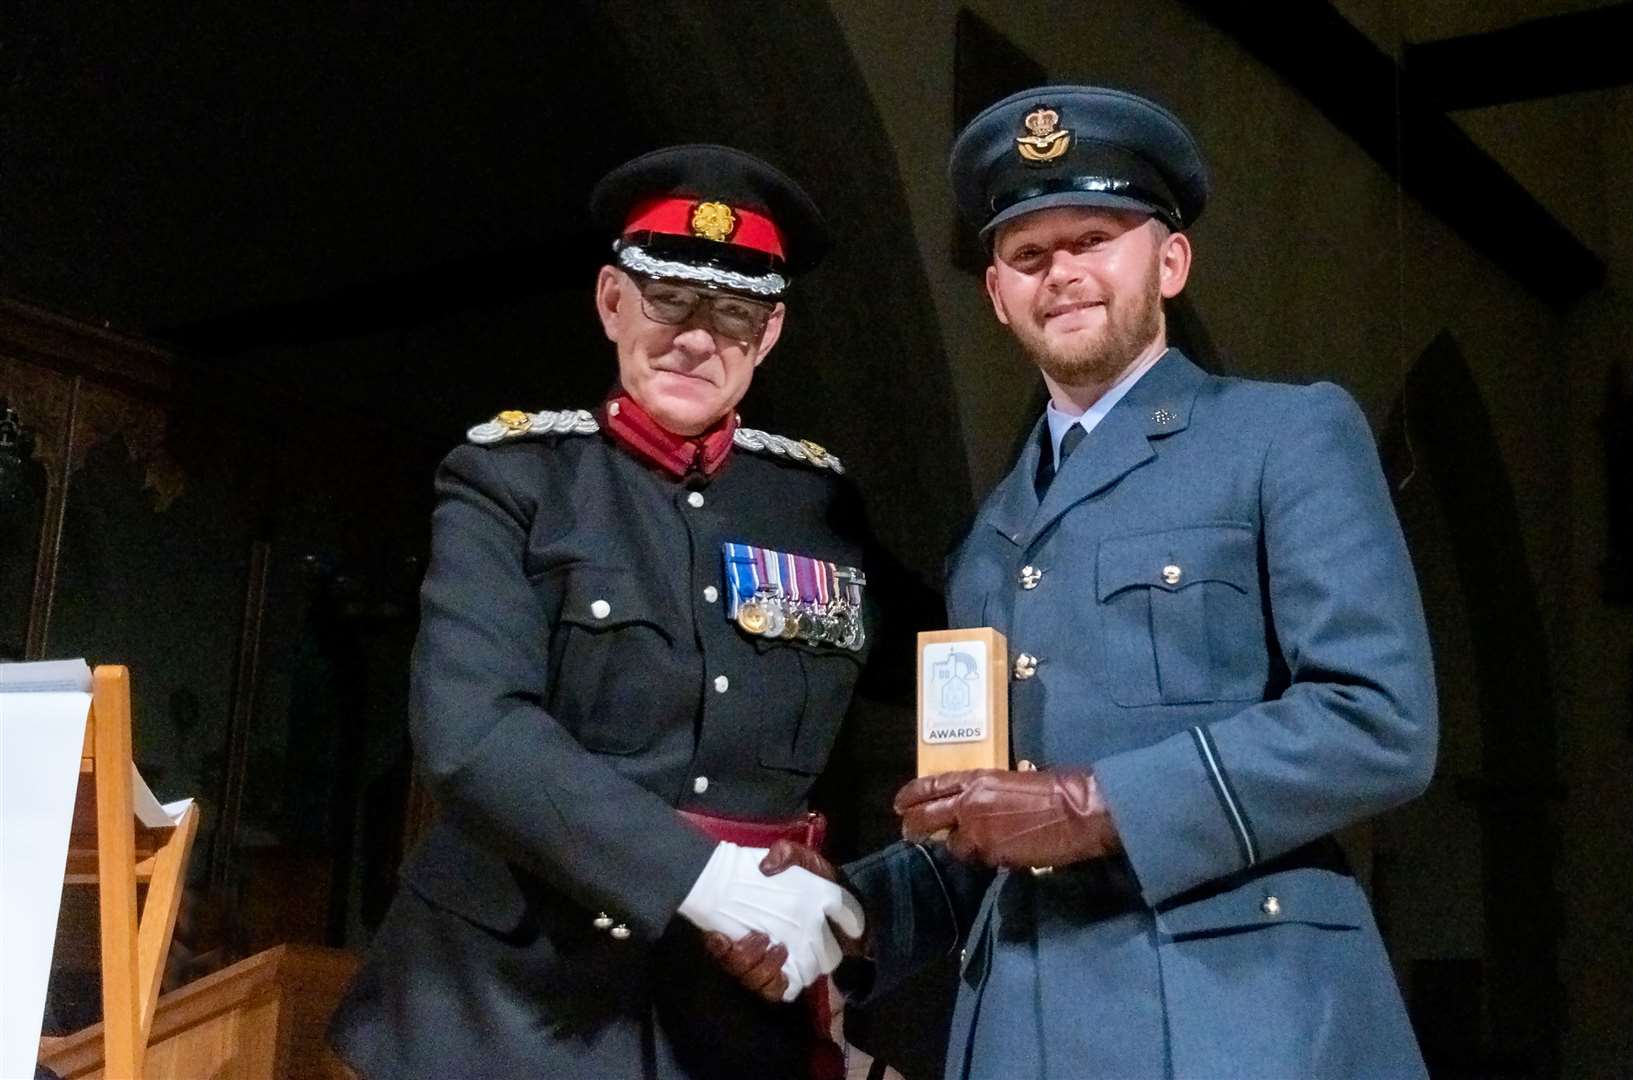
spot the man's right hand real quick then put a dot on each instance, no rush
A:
(755, 961)
(786, 853)
(797, 908)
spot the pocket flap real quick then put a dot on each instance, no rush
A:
(603, 597)
(1303, 895)
(1177, 558)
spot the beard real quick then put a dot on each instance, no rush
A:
(1131, 324)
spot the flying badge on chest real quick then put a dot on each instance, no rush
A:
(773, 594)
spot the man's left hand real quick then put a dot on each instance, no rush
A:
(1053, 817)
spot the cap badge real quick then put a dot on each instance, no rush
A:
(514, 420)
(713, 221)
(1045, 141)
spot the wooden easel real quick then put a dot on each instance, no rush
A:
(107, 847)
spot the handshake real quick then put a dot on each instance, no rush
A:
(777, 919)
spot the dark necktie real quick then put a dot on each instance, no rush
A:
(1068, 442)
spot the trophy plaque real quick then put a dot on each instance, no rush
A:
(963, 700)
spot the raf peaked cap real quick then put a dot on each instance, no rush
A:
(711, 216)
(1077, 146)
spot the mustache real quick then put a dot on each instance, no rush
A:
(1061, 303)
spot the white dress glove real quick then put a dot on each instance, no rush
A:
(732, 897)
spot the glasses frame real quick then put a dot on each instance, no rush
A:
(706, 299)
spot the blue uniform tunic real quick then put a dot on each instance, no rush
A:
(1226, 629)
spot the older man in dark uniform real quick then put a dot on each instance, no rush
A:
(1219, 659)
(640, 632)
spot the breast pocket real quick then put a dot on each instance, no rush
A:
(612, 649)
(800, 741)
(1181, 615)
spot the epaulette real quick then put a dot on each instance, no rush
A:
(799, 449)
(515, 424)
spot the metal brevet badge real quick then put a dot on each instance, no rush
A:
(775, 594)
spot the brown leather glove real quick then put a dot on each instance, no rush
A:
(1049, 818)
(786, 853)
(753, 961)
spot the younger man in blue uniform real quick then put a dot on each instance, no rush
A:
(1219, 659)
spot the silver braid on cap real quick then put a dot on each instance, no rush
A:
(633, 257)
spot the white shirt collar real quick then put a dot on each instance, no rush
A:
(1060, 421)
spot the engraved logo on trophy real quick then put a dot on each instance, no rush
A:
(963, 700)
(952, 677)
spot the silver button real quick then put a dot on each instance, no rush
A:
(700, 785)
(710, 593)
(721, 683)
(1026, 666)
(602, 921)
(695, 498)
(1024, 765)
(963, 956)
(1172, 573)
(1030, 576)
(619, 932)
(1271, 906)
(612, 409)
(600, 609)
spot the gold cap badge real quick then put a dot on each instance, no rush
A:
(713, 221)
(1044, 141)
(514, 420)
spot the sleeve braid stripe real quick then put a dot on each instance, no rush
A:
(1227, 796)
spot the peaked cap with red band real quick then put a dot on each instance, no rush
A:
(710, 216)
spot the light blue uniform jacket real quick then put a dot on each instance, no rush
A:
(1228, 632)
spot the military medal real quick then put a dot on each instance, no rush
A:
(751, 617)
(782, 596)
(776, 614)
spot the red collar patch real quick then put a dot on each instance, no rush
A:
(631, 427)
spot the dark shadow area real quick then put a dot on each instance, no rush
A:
(1500, 1014)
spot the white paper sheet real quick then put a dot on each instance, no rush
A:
(42, 730)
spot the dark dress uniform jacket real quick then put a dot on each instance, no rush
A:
(575, 680)
(1227, 630)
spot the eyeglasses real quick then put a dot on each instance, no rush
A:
(727, 315)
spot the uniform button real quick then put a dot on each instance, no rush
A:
(963, 956)
(721, 684)
(1172, 573)
(1026, 666)
(710, 593)
(600, 609)
(602, 921)
(695, 499)
(1024, 765)
(1030, 576)
(619, 932)
(1271, 906)
(612, 409)
(700, 785)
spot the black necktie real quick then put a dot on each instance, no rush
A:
(1068, 442)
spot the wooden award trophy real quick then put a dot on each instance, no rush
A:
(963, 700)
